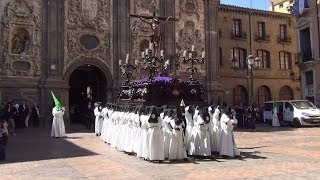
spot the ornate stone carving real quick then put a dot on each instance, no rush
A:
(21, 38)
(140, 36)
(87, 17)
(189, 7)
(188, 36)
(146, 4)
(89, 8)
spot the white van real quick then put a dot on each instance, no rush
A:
(294, 112)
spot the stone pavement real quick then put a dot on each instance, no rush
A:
(268, 153)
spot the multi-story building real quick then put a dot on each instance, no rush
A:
(268, 35)
(308, 31)
(282, 6)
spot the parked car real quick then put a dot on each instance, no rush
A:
(295, 112)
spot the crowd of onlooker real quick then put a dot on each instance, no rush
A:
(15, 115)
(247, 116)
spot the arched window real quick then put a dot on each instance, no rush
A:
(240, 55)
(285, 60)
(286, 93)
(240, 96)
(264, 94)
(264, 55)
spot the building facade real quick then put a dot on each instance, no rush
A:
(268, 35)
(308, 31)
(282, 6)
(73, 48)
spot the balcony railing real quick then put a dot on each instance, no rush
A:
(284, 39)
(241, 35)
(262, 37)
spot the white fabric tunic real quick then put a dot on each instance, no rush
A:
(167, 135)
(275, 119)
(58, 128)
(188, 137)
(156, 148)
(228, 146)
(177, 149)
(98, 120)
(215, 130)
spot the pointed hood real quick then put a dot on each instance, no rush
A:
(56, 101)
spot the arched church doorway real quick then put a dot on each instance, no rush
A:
(87, 84)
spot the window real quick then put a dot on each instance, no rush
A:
(305, 44)
(220, 56)
(286, 93)
(281, 5)
(261, 29)
(240, 96)
(240, 55)
(265, 58)
(285, 60)
(237, 27)
(283, 31)
(309, 77)
(264, 94)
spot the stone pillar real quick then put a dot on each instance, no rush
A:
(121, 38)
(212, 49)
(52, 60)
(167, 8)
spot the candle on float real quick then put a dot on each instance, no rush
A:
(142, 54)
(147, 51)
(190, 55)
(192, 48)
(203, 55)
(184, 53)
(136, 62)
(151, 46)
(127, 58)
(120, 62)
(161, 53)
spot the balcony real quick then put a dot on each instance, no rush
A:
(239, 36)
(284, 39)
(262, 37)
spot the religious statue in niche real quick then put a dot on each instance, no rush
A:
(20, 41)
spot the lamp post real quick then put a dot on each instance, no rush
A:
(190, 57)
(251, 64)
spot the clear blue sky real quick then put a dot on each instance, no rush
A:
(256, 4)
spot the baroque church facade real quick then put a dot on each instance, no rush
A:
(55, 45)
(73, 47)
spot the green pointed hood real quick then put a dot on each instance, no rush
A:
(56, 101)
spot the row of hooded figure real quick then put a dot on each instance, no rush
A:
(159, 133)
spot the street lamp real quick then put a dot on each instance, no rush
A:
(251, 64)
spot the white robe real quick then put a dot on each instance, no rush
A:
(177, 149)
(188, 138)
(98, 121)
(275, 119)
(215, 131)
(228, 146)
(167, 135)
(156, 148)
(58, 128)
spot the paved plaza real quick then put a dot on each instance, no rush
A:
(268, 153)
